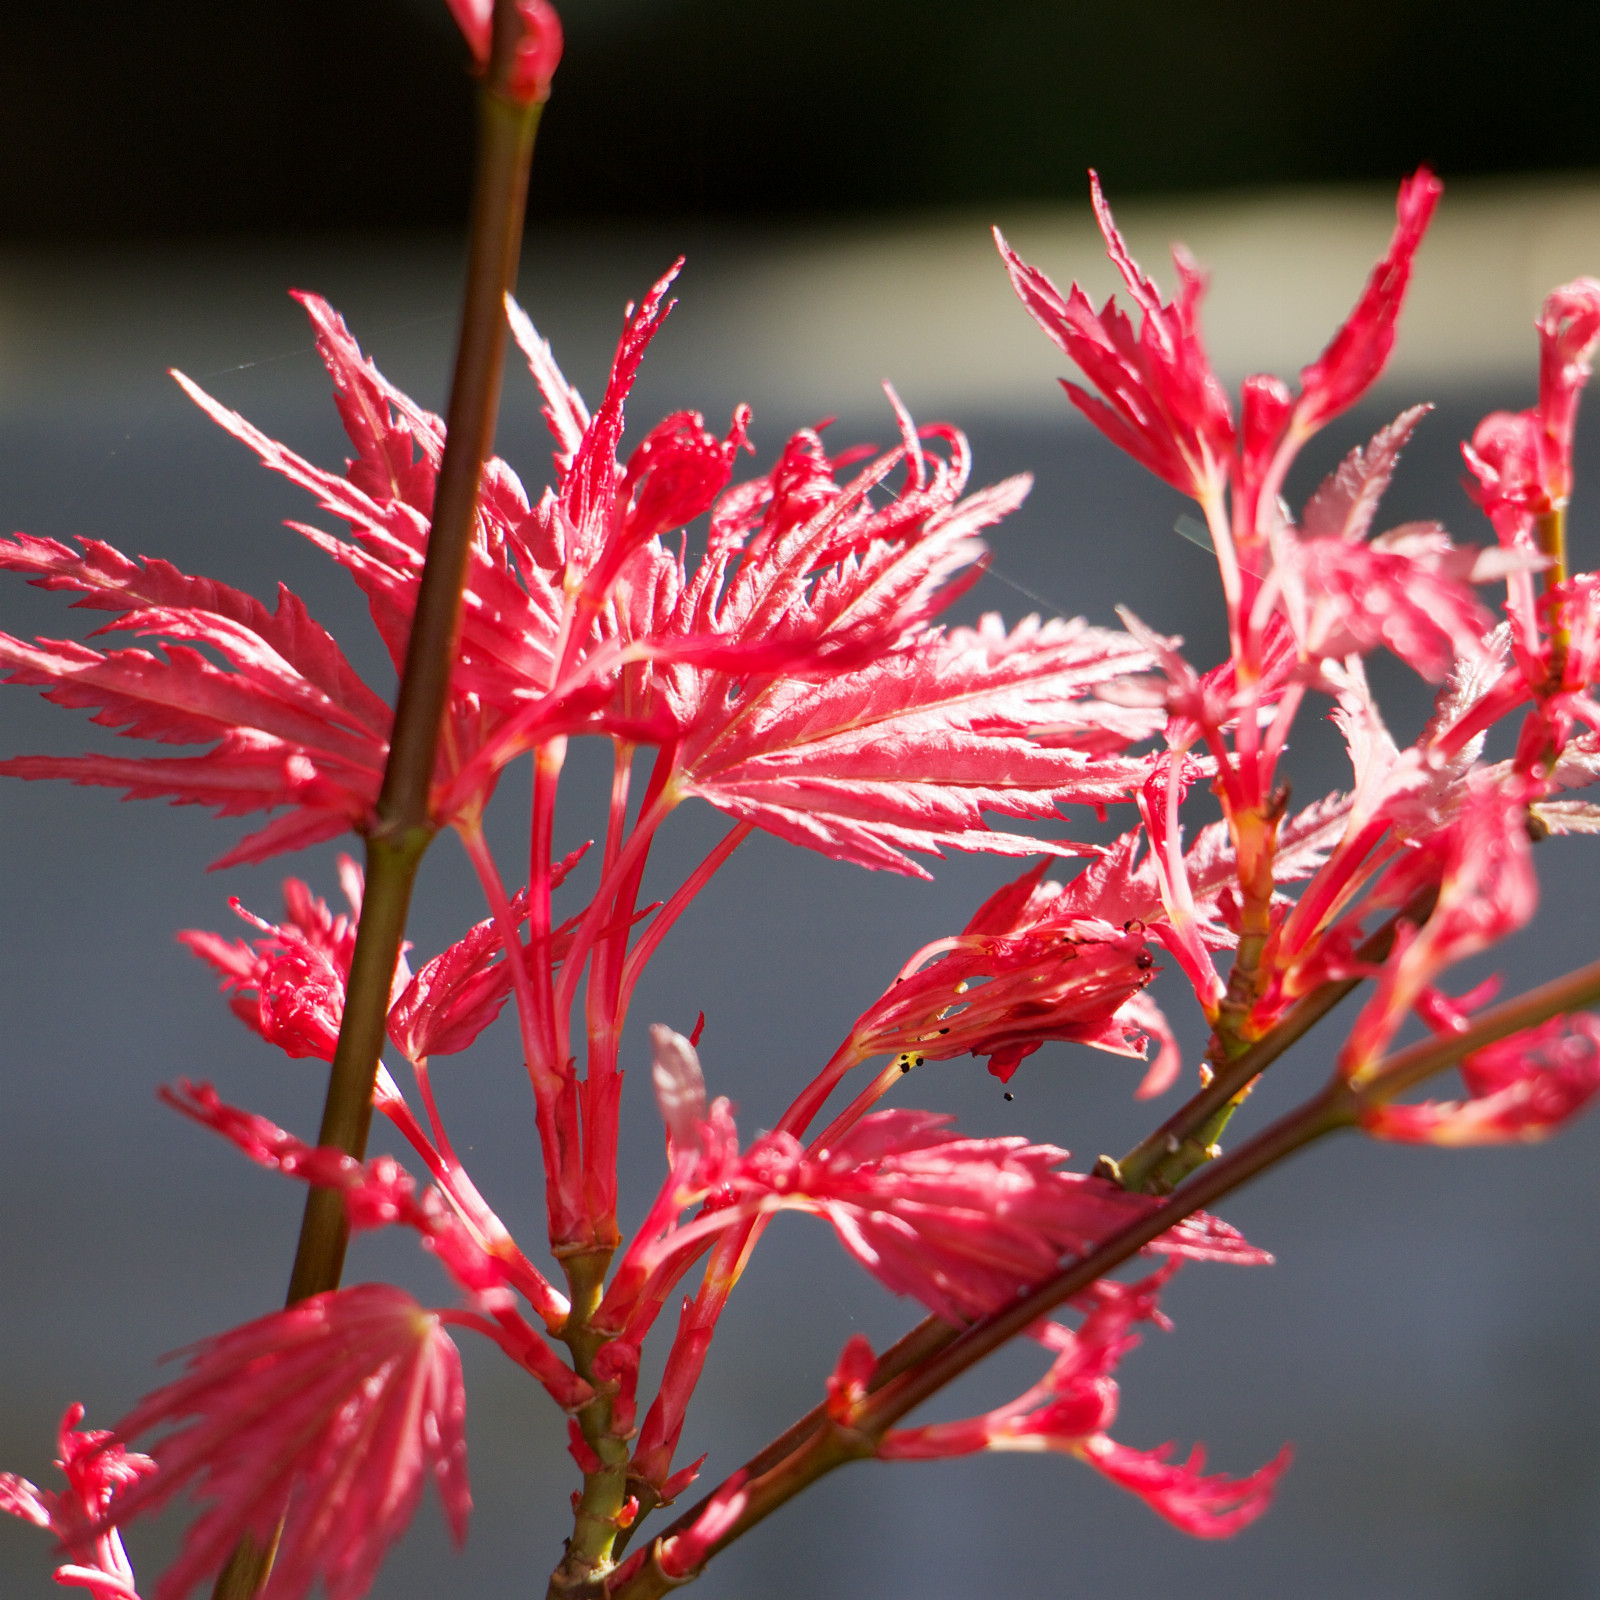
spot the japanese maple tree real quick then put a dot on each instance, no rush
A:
(770, 645)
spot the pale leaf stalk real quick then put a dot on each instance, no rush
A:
(457, 1187)
(863, 1102)
(601, 938)
(544, 1059)
(599, 1013)
(549, 1088)
(657, 805)
(661, 924)
(814, 1096)
(1278, 732)
(1227, 559)
(607, 957)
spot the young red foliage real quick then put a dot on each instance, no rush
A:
(1036, 962)
(1160, 402)
(909, 752)
(1522, 461)
(1524, 1088)
(290, 986)
(538, 49)
(1481, 862)
(959, 1224)
(1071, 1408)
(98, 1470)
(327, 1417)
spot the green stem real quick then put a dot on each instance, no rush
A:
(395, 847)
(1158, 1163)
(347, 1110)
(1550, 531)
(599, 1506)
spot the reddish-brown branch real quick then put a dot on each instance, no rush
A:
(814, 1446)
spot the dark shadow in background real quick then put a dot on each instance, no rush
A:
(161, 118)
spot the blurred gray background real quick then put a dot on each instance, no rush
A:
(1425, 1338)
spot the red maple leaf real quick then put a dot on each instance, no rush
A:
(328, 1416)
(911, 750)
(1069, 1410)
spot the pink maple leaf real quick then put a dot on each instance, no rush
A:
(803, 575)
(291, 722)
(1158, 397)
(1481, 862)
(1522, 461)
(577, 618)
(1356, 354)
(1035, 962)
(959, 1224)
(1160, 400)
(806, 574)
(1042, 960)
(1557, 682)
(1504, 457)
(1394, 825)
(910, 751)
(1409, 589)
(290, 986)
(1524, 1087)
(1070, 1409)
(98, 1471)
(1569, 334)
(1345, 502)
(593, 518)
(326, 1418)
(512, 610)
(452, 998)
